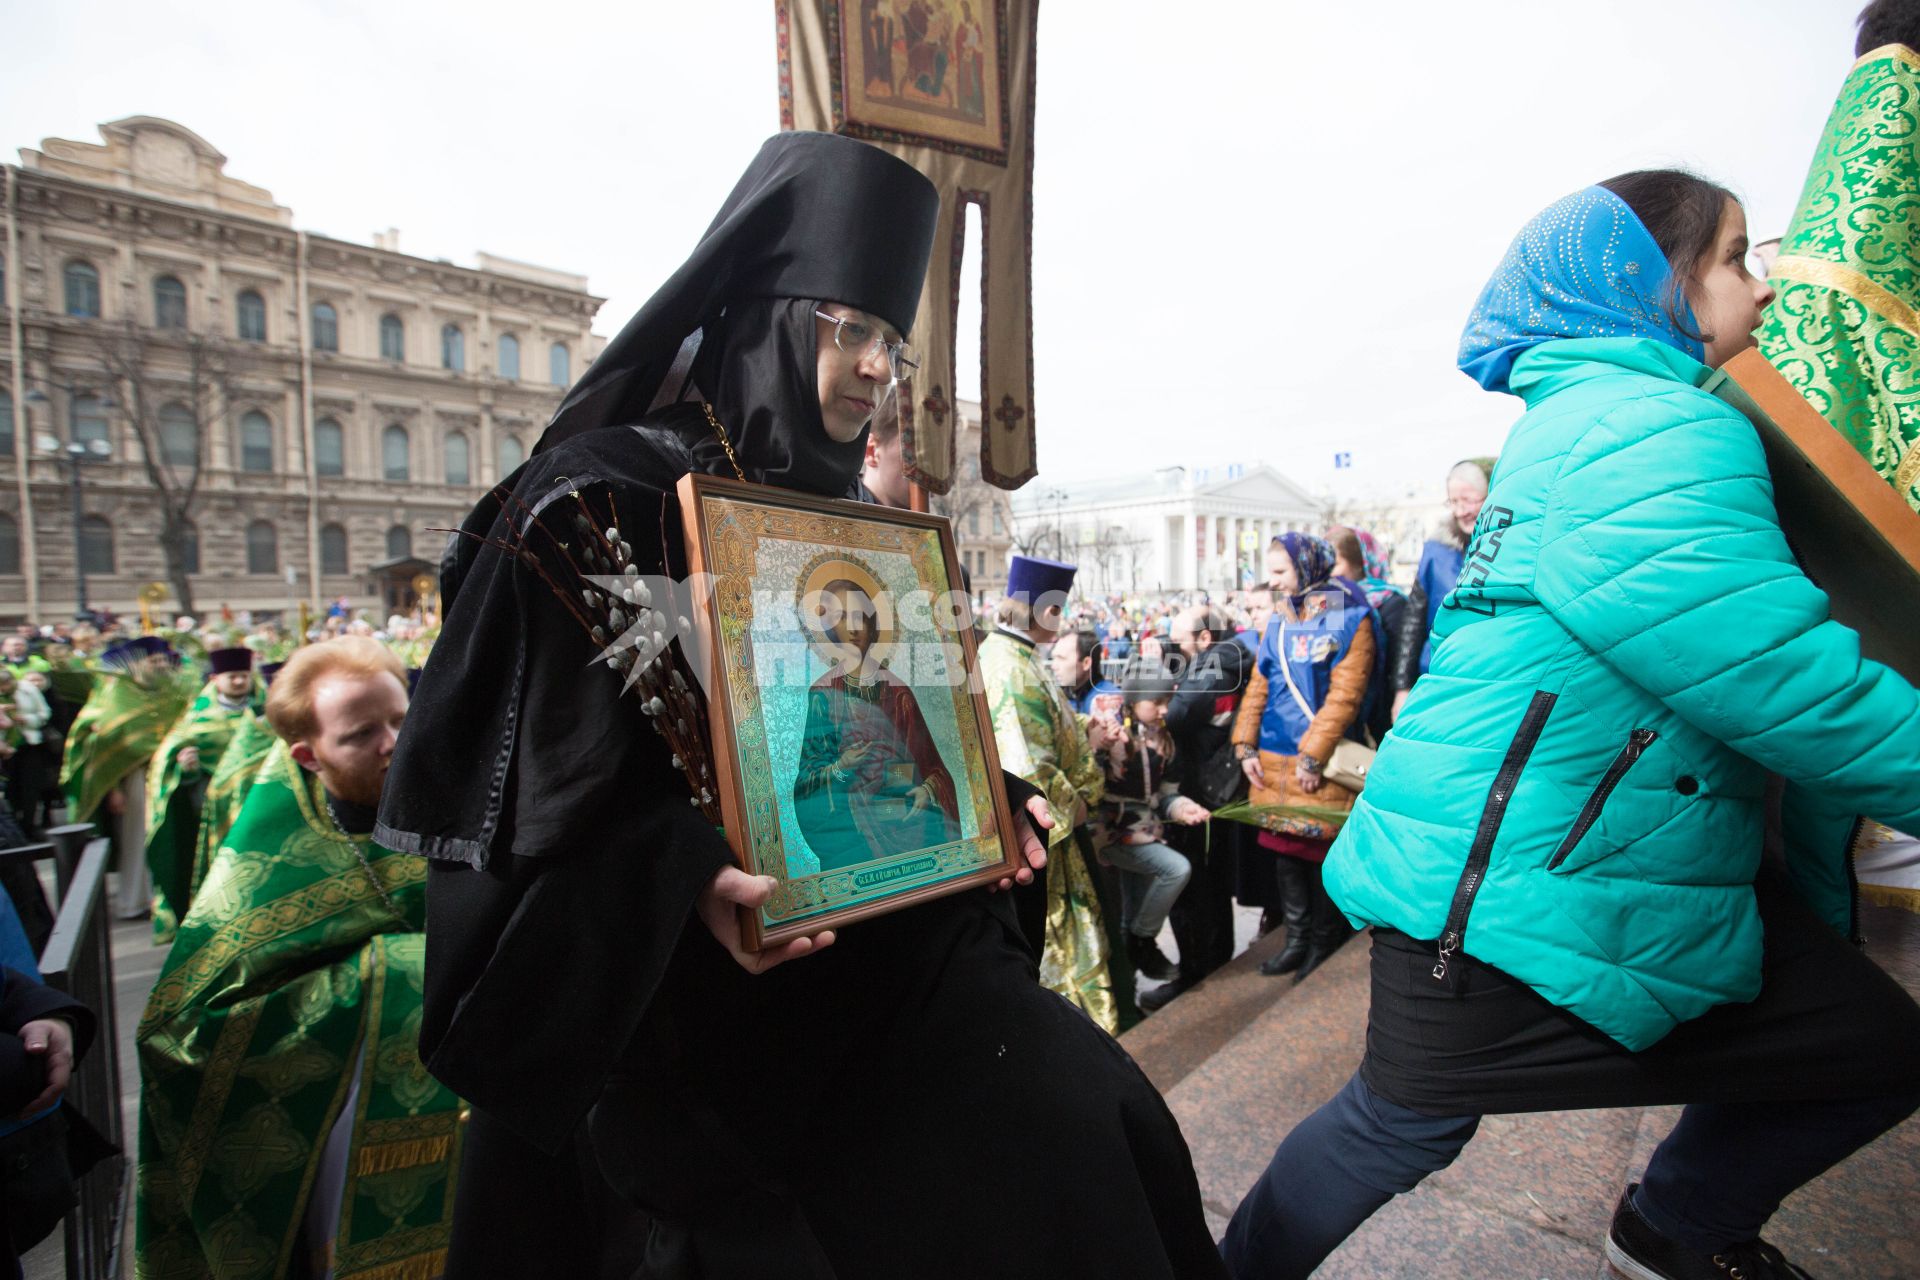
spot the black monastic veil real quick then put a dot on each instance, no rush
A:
(907, 1102)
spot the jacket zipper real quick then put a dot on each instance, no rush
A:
(1481, 852)
(1637, 742)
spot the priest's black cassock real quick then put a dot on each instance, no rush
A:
(906, 1103)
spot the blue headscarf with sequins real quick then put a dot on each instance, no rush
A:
(1584, 267)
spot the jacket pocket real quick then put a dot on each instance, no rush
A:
(1637, 742)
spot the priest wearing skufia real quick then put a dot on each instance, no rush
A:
(287, 1126)
(906, 1101)
(138, 692)
(247, 749)
(1844, 325)
(177, 780)
(1041, 739)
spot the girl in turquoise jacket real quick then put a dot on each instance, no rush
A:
(1560, 843)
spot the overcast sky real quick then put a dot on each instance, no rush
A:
(1258, 226)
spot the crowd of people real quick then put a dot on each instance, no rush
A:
(1187, 704)
(457, 983)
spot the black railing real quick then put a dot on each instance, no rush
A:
(78, 960)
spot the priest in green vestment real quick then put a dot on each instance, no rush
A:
(1041, 740)
(1845, 323)
(138, 692)
(287, 1126)
(177, 779)
(227, 786)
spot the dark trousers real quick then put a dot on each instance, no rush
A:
(1256, 877)
(1778, 1090)
(33, 775)
(1202, 917)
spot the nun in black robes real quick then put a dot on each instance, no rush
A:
(908, 1103)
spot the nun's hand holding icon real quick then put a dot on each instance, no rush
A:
(719, 904)
(1028, 823)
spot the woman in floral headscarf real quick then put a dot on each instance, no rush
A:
(1306, 693)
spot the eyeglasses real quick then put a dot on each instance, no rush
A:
(857, 337)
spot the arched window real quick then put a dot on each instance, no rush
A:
(256, 442)
(326, 327)
(559, 365)
(453, 348)
(169, 303)
(263, 548)
(89, 420)
(393, 338)
(399, 542)
(82, 288)
(9, 544)
(190, 547)
(512, 454)
(333, 549)
(509, 357)
(395, 462)
(6, 424)
(329, 448)
(250, 311)
(459, 463)
(179, 435)
(96, 545)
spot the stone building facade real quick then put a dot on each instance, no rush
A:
(1173, 529)
(328, 404)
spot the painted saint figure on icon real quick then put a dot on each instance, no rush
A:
(871, 782)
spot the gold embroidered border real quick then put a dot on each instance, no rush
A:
(210, 1103)
(1907, 475)
(303, 907)
(1845, 280)
(1887, 52)
(422, 1266)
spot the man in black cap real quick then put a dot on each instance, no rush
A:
(887, 1105)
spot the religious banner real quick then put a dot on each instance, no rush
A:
(948, 86)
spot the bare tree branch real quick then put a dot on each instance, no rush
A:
(144, 397)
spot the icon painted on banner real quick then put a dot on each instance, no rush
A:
(1249, 540)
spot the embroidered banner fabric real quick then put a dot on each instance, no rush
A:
(1844, 327)
(948, 86)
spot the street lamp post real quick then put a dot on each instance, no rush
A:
(72, 454)
(1058, 497)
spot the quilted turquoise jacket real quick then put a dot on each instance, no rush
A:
(1574, 793)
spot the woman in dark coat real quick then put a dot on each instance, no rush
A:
(906, 1102)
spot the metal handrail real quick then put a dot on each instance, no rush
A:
(78, 960)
